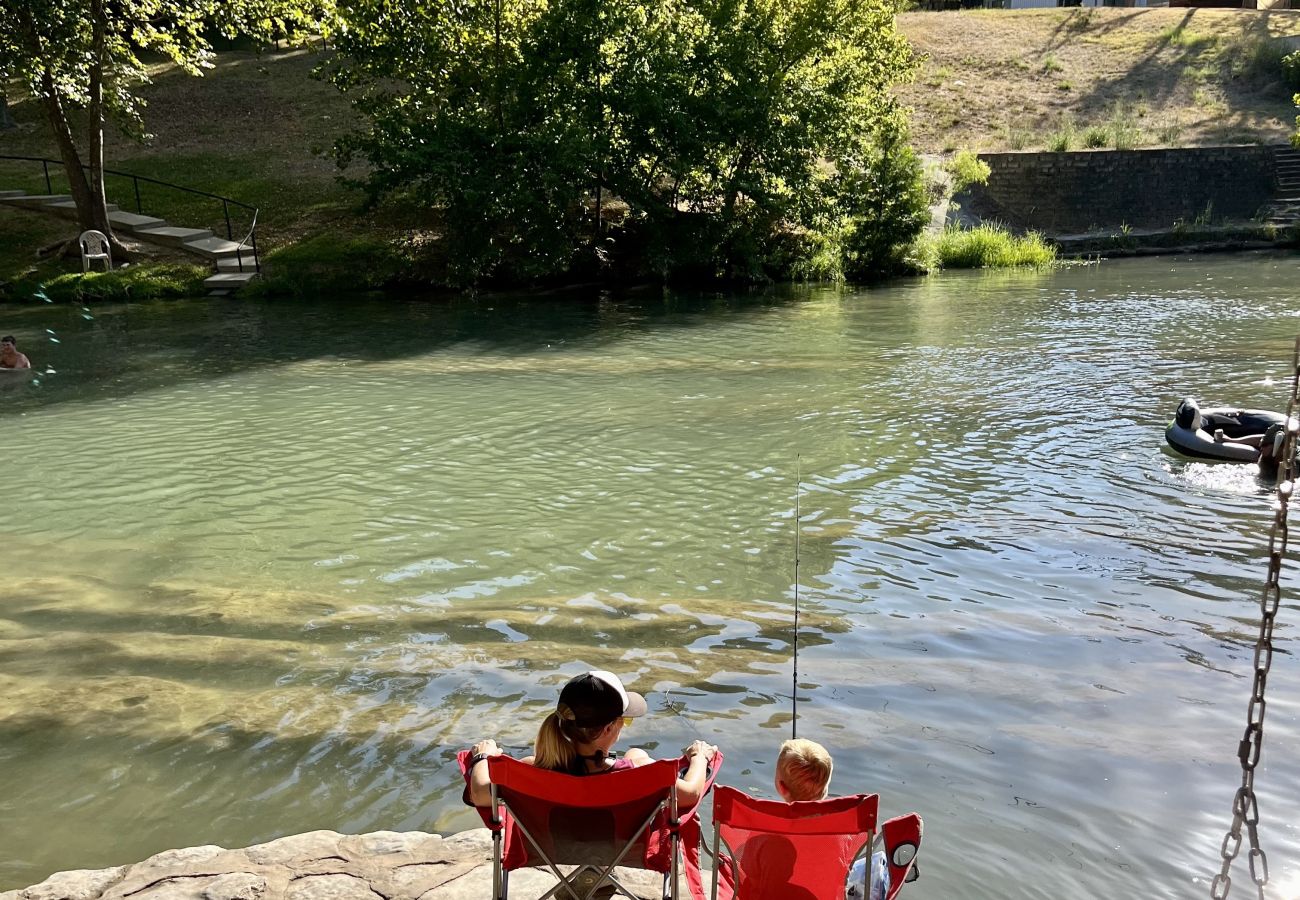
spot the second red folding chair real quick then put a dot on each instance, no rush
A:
(769, 850)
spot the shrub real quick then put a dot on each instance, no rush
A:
(1291, 70)
(1018, 137)
(1096, 136)
(1168, 135)
(966, 169)
(1125, 133)
(1052, 64)
(885, 207)
(723, 127)
(991, 247)
(1063, 138)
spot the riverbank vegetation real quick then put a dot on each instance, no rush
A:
(704, 140)
(770, 143)
(983, 247)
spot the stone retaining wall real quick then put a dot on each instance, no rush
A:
(318, 865)
(1062, 193)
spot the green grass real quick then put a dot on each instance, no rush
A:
(1065, 136)
(985, 247)
(1186, 39)
(150, 281)
(334, 263)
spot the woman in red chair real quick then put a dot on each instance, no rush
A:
(578, 736)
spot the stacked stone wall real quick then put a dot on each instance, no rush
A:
(1063, 193)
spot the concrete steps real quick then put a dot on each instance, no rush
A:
(235, 264)
(1284, 210)
(224, 281)
(218, 248)
(35, 201)
(134, 223)
(68, 209)
(172, 235)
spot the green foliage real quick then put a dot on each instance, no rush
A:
(1096, 137)
(1295, 138)
(1052, 64)
(966, 169)
(51, 45)
(93, 55)
(1063, 138)
(1125, 133)
(723, 127)
(885, 207)
(147, 281)
(333, 264)
(1290, 65)
(986, 247)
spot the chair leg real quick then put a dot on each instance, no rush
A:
(499, 875)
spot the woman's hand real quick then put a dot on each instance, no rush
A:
(486, 747)
(480, 785)
(701, 748)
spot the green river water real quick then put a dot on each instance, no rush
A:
(266, 566)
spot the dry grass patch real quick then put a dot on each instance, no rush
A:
(1184, 76)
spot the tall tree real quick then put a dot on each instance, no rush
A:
(76, 56)
(726, 127)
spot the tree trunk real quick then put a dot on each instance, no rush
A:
(67, 149)
(58, 117)
(98, 212)
(6, 120)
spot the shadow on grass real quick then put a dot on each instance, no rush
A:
(1242, 64)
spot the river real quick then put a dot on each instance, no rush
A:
(268, 565)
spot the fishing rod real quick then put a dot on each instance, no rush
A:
(794, 685)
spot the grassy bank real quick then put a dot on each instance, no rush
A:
(252, 129)
(1040, 79)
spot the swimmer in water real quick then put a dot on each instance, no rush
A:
(10, 358)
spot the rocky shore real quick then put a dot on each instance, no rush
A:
(318, 865)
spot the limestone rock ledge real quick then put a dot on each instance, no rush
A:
(318, 865)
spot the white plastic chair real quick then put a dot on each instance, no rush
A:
(94, 245)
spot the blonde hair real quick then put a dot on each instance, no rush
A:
(556, 746)
(804, 768)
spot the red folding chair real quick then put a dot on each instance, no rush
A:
(595, 822)
(902, 839)
(788, 851)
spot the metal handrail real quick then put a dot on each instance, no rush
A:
(226, 202)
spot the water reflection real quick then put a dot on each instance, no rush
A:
(277, 562)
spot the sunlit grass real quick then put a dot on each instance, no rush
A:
(984, 247)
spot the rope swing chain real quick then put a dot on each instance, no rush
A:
(1245, 809)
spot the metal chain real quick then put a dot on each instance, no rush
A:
(1245, 808)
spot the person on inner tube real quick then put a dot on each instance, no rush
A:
(1270, 451)
(1188, 415)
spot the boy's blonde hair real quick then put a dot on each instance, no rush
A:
(804, 767)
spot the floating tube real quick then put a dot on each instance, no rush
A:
(1219, 433)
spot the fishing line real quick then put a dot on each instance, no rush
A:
(794, 681)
